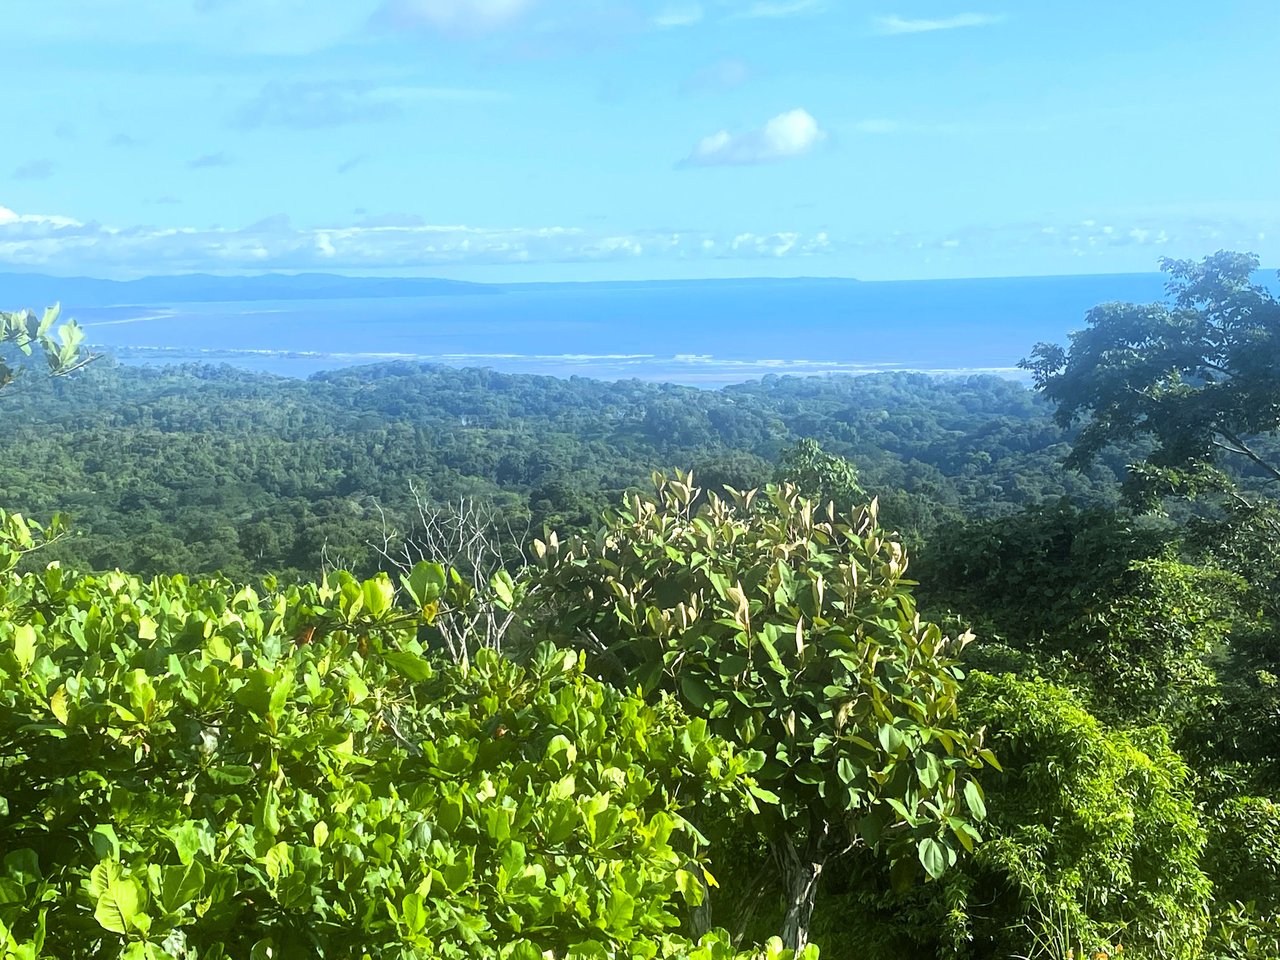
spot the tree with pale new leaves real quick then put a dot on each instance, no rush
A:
(793, 631)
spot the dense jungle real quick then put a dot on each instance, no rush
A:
(407, 661)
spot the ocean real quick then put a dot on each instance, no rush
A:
(704, 333)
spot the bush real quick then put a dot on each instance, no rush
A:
(1243, 858)
(1093, 838)
(195, 770)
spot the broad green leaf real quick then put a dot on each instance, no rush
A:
(379, 596)
(413, 911)
(106, 846)
(190, 839)
(58, 705)
(891, 738)
(102, 876)
(408, 665)
(118, 909)
(24, 645)
(974, 799)
(425, 583)
(179, 885)
(933, 857)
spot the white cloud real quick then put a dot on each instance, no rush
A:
(683, 15)
(897, 25)
(467, 17)
(9, 218)
(403, 243)
(790, 134)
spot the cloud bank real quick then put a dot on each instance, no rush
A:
(62, 244)
(405, 244)
(788, 135)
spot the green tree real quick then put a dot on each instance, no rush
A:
(820, 476)
(793, 631)
(1196, 377)
(1093, 839)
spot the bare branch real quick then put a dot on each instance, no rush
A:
(473, 540)
(1236, 445)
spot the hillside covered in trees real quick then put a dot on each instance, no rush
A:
(416, 662)
(200, 469)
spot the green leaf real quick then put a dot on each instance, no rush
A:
(449, 813)
(379, 595)
(891, 738)
(190, 839)
(413, 912)
(24, 645)
(58, 705)
(926, 765)
(695, 691)
(408, 665)
(119, 907)
(179, 885)
(933, 857)
(504, 589)
(691, 887)
(425, 583)
(846, 770)
(104, 842)
(974, 799)
(618, 910)
(102, 876)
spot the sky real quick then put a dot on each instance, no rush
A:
(551, 140)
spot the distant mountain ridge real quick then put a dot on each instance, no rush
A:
(33, 290)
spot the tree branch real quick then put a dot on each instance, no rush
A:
(1239, 446)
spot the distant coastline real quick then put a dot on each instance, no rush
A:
(701, 333)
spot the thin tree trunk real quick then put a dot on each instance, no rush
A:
(801, 871)
(700, 916)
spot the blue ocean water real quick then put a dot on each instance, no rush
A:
(705, 333)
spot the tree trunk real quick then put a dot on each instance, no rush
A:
(801, 870)
(700, 916)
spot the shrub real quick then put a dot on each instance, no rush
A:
(1093, 838)
(196, 770)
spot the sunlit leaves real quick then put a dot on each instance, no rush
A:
(28, 333)
(793, 630)
(194, 766)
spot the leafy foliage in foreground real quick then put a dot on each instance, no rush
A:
(26, 334)
(195, 770)
(795, 632)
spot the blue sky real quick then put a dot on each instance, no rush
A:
(631, 139)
